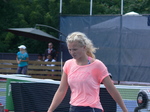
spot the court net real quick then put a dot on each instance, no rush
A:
(20, 93)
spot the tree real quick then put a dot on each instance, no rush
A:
(27, 13)
(21, 14)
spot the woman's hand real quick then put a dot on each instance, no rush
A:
(18, 61)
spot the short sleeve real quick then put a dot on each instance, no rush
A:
(102, 71)
(66, 67)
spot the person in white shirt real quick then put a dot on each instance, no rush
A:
(49, 58)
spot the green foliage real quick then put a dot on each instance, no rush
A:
(27, 13)
(140, 6)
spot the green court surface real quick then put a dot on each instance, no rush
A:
(129, 94)
(2, 85)
(2, 89)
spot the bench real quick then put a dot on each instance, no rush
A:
(37, 69)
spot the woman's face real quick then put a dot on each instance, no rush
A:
(76, 50)
(21, 49)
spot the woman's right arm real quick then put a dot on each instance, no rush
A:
(17, 60)
(60, 93)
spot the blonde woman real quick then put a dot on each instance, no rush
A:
(22, 60)
(84, 74)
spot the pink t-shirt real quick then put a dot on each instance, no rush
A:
(84, 82)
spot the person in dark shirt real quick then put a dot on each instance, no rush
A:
(50, 51)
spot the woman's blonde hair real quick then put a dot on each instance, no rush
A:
(84, 41)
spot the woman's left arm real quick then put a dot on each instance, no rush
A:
(114, 93)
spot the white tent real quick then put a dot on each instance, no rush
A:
(130, 20)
